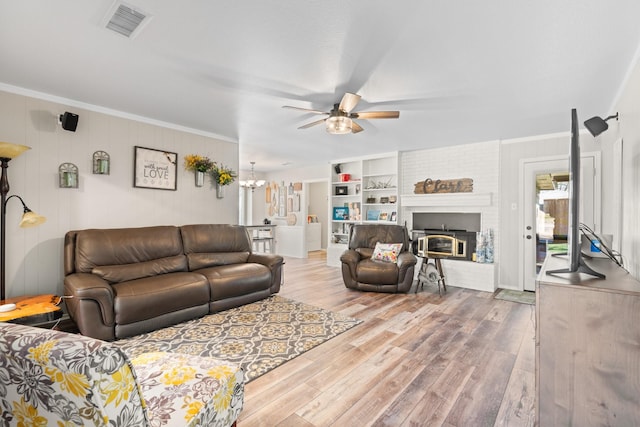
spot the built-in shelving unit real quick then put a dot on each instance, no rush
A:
(362, 190)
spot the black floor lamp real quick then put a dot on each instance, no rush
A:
(9, 151)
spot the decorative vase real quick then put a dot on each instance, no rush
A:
(219, 191)
(199, 178)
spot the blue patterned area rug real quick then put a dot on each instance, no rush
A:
(259, 336)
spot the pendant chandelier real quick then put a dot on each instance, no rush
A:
(252, 182)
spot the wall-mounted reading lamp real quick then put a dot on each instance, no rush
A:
(29, 219)
(596, 125)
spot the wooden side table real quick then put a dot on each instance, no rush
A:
(33, 309)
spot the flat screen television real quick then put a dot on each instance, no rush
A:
(576, 262)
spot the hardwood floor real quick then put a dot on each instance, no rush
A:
(463, 359)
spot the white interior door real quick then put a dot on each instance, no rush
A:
(538, 236)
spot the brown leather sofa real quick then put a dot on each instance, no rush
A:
(124, 282)
(360, 272)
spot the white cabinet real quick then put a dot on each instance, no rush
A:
(290, 241)
(314, 236)
(362, 190)
(587, 346)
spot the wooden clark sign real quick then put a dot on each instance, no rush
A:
(430, 186)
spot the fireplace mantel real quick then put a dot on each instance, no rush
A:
(446, 200)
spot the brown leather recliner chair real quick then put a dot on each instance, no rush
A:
(361, 272)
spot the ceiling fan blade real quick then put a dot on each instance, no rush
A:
(305, 109)
(355, 128)
(349, 101)
(308, 125)
(376, 115)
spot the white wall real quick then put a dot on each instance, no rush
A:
(289, 175)
(628, 128)
(34, 256)
(318, 202)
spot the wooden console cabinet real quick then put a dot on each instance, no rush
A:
(587, 347)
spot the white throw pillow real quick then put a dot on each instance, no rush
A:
(387, 252)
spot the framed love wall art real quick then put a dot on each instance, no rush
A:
(155, 169)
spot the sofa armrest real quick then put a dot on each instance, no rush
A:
(270, 260)
(406, 265)
(274, 263)
(406, 260)
(90, 301)
(350, 257)
(65, 379)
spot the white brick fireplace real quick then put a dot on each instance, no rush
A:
(479, 162)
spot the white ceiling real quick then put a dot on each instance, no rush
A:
(459, 71)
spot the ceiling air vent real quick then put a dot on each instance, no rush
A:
(126, 19)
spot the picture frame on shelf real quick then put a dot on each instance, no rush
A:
(372, 215)
(393, 216)
(354, 211)
(342, 190)
(340, 213)
(384, 216)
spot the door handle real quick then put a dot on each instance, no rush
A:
(529, 236)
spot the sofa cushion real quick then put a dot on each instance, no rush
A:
(54, 378)
(364, 252)
(367, 235)
(202, 260)
(209, 245)
(185, 390)
(142, 299)
(370, 271)
(125, 272)
(111, 247)
(228, 281)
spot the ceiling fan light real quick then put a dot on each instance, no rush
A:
(338, 125)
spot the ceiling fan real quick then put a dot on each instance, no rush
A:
(340, 120)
